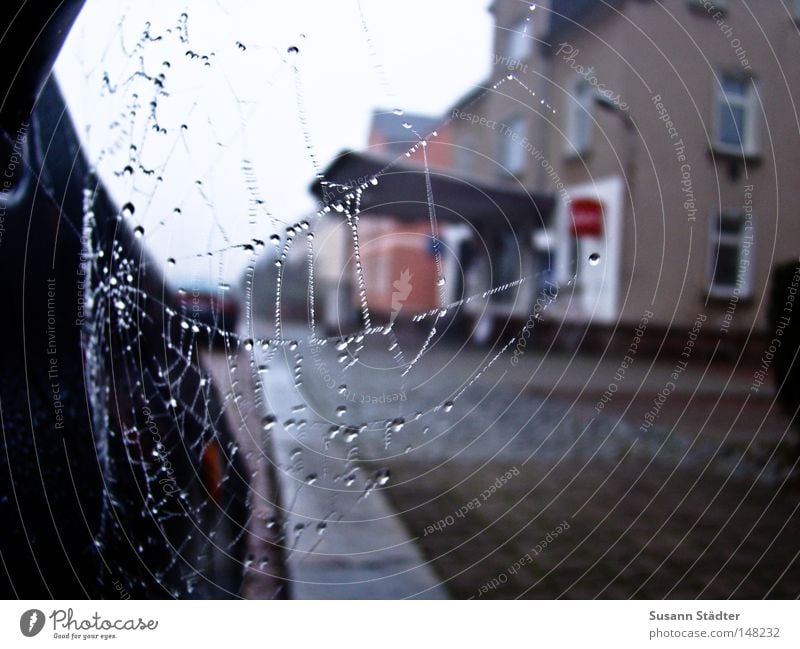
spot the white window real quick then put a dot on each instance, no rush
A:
(512, 153)
(579, 118)
(736, 115)
(730, 267)
(518, 42)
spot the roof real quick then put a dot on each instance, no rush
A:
(565, 13)
(397, 138)
(402, 192)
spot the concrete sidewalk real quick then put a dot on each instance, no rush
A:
(343, 538)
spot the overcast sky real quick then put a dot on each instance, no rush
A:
(252, 100)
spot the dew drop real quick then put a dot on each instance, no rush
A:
(447, 406)
(594, 258)
(138, 231)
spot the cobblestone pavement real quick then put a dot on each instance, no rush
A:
(514, 485)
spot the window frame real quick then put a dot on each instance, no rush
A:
(749, 141)
(717, 238)
(580, 112)
(510, 149)
(519, 44)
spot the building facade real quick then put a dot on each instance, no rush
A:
(668, 133)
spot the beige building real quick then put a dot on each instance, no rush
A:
(675, 123)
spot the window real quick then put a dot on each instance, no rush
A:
(518, 42)
(579, 119)
(730, 264)
(736, 115)
(512, 153)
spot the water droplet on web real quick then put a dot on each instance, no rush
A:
(268, 422)
(440, 281)
(275, 240)
(406, 125)
(138, 231)
(447, 406)
(350, 434)
(293, 50)
(341, 411)
(311, 478)
(342, 388)
(396, 425)
(171, 261)
(127, 210)
(398, 111)
(248, 344)
(383, 476)
(594, 258)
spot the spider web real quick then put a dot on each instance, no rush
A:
(218, 434)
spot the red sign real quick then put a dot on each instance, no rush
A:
(587, 217)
